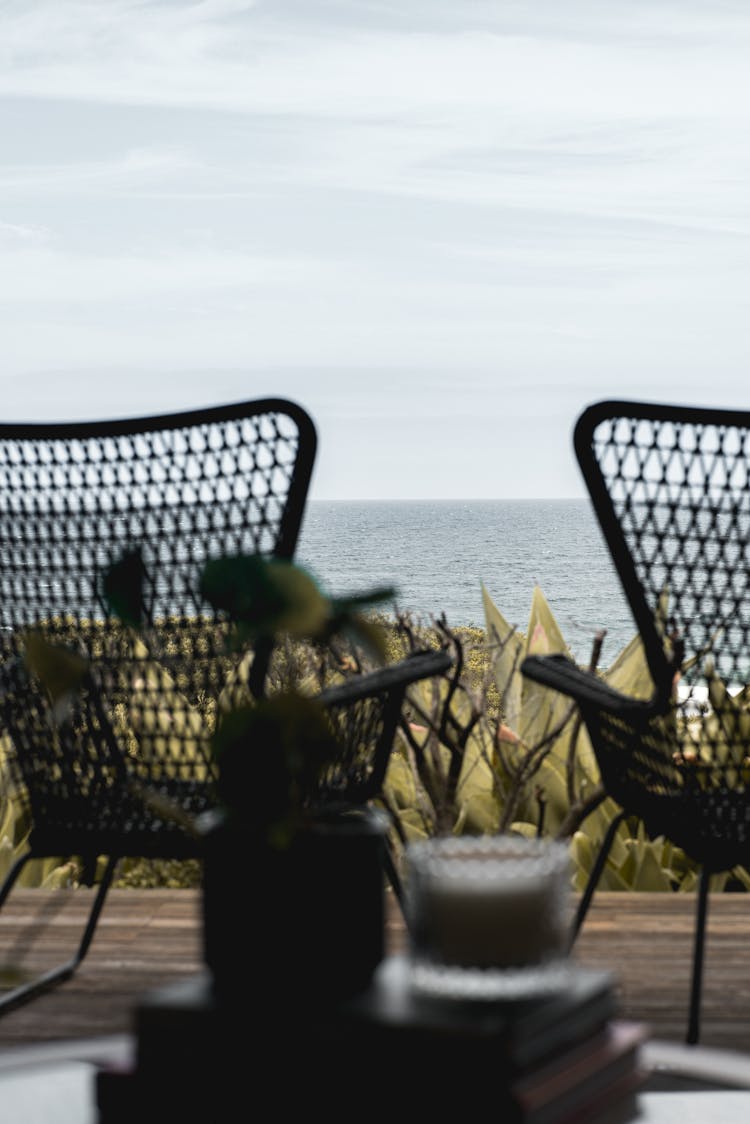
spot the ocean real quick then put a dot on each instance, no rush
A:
(438, 553)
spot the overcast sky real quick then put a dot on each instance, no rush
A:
(444, 226)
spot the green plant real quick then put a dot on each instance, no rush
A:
(489, 751)
(15, 825)
(269, 751)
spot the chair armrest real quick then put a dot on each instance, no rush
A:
(586, 688)
(365, 711)
(419, 665)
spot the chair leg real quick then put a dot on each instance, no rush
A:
(595, 875)
(12, 875)
(693, 1032)
(26, 991)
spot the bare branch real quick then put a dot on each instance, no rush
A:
(579, 811)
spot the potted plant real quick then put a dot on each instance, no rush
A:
(293, 895)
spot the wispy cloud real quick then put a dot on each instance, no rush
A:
(281, 58)
(449, 206)
(485, 103)
(14, 237)
(132, 171)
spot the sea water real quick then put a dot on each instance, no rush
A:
(437, 554)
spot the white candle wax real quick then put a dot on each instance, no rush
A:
(501, 904)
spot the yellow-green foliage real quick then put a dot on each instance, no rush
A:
(521, 760)
(177, 686)
(14, 833)
(168, 874)
(486, 752)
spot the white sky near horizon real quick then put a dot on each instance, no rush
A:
(444, 227)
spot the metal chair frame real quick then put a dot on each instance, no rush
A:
(670, 487)
(356, 779)
(74, 498)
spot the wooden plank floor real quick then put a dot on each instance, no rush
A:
(147, 938)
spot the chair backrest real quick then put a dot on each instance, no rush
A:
(670, 486)
(176, 490)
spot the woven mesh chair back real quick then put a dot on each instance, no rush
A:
(671, 489)
(169, 492)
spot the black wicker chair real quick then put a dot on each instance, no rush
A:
(119, 766)
(365, 711)
(670, 487)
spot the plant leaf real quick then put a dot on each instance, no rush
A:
(544, 635)
(361, 632)
(353, 601)
(58, 669)
(265, 596)
(505, 661)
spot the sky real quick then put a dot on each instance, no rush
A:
(442, 226)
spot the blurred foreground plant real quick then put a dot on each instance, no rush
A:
(267, 752)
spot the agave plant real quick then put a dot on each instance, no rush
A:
(525, 764)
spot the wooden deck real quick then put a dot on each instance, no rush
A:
(147, 938)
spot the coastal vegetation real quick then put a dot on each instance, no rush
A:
(489, 751)
(176, 704)
(481, 749)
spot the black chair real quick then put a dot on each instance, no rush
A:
(365, 711)
(110, 752)
(670, 487)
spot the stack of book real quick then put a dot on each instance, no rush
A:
(559, 1058)
(595, 1080)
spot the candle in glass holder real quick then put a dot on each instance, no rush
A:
(488, 902)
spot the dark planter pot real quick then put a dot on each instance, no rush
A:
(305, 923)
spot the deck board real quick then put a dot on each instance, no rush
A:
(147, 938)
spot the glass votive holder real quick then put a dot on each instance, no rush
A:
(489, 916)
